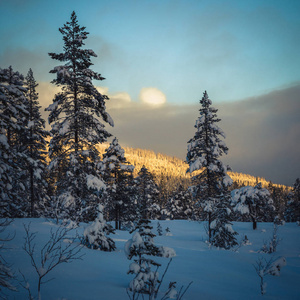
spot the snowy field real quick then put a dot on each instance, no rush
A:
(216, 274)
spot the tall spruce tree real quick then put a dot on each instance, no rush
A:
(211, 179)
(77, 115)
(118, 176)
(34, 144)
(12, 115)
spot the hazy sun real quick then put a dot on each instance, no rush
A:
(152, 96)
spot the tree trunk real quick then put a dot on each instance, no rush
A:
(209, 229)
(254, 223)
(31, 194)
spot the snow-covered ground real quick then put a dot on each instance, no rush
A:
(216, 274)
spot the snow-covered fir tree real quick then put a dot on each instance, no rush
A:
(34, 146)
(253, 202)
(12, 115)
(211, 181)
(77, 117)
(118, 176)
(292, 213)
(95, 236)
(180, 205)
(141, 246)
(147, 194)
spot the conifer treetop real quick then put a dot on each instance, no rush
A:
(207, 145)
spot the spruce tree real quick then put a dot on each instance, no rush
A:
(118, 176)
(77, 116)
(12, 115)
(211, 179)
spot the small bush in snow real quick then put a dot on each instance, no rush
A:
(271, 267)
(159, 229)
(95, 235)
(6, 275)
(55, 252)
(271, 246)
(145, 269)
(168, 232)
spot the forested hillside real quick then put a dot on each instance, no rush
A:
(173, 170)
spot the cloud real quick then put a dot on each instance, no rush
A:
(152, 96)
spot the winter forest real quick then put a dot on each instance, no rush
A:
(72, 202)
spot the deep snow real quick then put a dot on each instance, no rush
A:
(216, 274)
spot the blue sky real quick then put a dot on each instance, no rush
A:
(234, 49)
(244, 53)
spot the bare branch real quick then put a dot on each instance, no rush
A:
(52, 254)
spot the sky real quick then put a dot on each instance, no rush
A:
(159, 56)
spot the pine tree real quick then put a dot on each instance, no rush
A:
(96, 235)
(76, 115)
(254, 202)
(204, 149)
(118, 176)
(12, 114)
(147, 190)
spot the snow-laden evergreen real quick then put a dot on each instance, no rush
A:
(292, 213)
(77, 117)
(223, 235)
(147, 195)
(95, 236)
(211, 181)
(13, 114)
(180, 205)
(118, 176)
(34, 146)
(254, 202)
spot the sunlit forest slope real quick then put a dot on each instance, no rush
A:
(171, 171)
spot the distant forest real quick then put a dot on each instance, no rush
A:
(173, 170)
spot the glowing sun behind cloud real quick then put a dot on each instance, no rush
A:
(152, 96)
